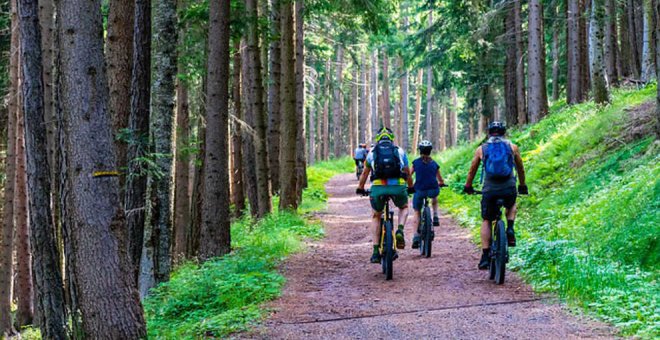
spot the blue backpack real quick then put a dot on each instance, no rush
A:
(498, 159)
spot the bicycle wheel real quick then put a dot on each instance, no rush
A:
(388, 257)
(427, 241)
(500, 255)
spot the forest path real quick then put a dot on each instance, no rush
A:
(334, 292)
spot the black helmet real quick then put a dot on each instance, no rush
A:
(425, 147)
(496, 129)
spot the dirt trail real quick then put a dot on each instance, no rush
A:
(334, 292)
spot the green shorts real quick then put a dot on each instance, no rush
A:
(399, 195)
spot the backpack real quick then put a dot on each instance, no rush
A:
(498, 159)
(387, 163)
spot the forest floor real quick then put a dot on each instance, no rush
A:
(334, 292)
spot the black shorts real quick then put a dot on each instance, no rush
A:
(358, 161)
(489, 202)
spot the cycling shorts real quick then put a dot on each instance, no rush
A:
(489, 202)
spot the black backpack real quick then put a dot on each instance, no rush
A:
(387, 163)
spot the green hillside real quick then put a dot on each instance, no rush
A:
(590, 228)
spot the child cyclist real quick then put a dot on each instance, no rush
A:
(428, 181)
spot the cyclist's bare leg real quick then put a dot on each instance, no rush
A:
(485, 234)
(375, 223)
(403, 215)
(434, 205)
(511, 213)
(418, 217)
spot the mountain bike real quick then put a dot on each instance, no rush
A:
(360, 169)
(425, 229)
(387, 247)
(499, 246)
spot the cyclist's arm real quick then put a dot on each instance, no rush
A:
(474, 167)
(439, 177)
(520, 169)
(364, 176)
(409, 180)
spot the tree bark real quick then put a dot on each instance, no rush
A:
(249, 160)
(648, 67)
(557, 25)
(429, 103)
(537, 92)
(520, 64)
(443, 127)
(625, 54)
(657, 65)
(274, 68)
(215, 238)
(510, 68)
(633, 25)
(452, 109)
(256, 105)
(585, 68)
(289, 126)
(611, 44)
(364, 126)
(301, 162)
(311, 137)
(162, 102)
(405, 129)
(352, 114)
(326, 114)
(337, 103)
(136, 179)
(598, 69)
(238, 195)
(385, 115)
(418, 107)
(23, 289)
(119, 46)
(49, 297)
(182, 171)
(197, 192)
(574, 93)
(7, 235)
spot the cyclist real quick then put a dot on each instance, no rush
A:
(427, 184)
(499, 156)
(360, 155)
(390, 175)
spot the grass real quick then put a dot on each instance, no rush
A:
(226, 295)
(589, 230)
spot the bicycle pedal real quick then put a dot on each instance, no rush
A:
(396, 256)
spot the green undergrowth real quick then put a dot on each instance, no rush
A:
(590, 228)
(226, 295)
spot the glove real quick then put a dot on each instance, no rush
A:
(522, 189)
(443, 185)
(360, 191)
(411, 190)
(468, 190)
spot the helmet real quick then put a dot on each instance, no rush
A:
(385, 133)
(496, 128)
(425, 147)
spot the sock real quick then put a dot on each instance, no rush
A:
(509, 224)
(486, 251)
(400, 227)
(376, 249)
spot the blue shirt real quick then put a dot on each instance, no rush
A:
(425, 178)
(360, 153)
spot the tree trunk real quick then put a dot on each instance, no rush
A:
(119, 63)
(311, 136)
(405, 134)
(657, 65)
(599, 85)
(256, 106)
(301, 163)
(443, 127)
(49, 295)
(162, 102)
(194, 238)
(182, 170)
(238, 195)
(538, 95)
(7, 235)
(274, 97)
(625, 54)
(429, 103)
(510, 84)
(337, 103)
(585, 68)
(385, 115)
(352, 114)
(364, 125)
(573, 86)
(289, 122)
(557, 25)
(368, 109)
(326, 114)
(23, 289)
(633, 24)
(520, 64)
(375, 122)
(136, 179)
(648, 67)
(250, 176)
(452, 111)
(610, 44)
(215, 238)
(418, 108)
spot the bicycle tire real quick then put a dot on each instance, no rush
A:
(500, 256)
(426, 236)
(389, 251)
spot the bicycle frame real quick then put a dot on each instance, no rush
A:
(385, 217)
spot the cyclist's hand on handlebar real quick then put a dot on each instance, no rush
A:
(469, 190)
(361, 192)
(522, 189)
(443, 185)
(411, 190)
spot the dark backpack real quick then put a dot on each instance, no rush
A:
(387, 163)
(498, 159)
